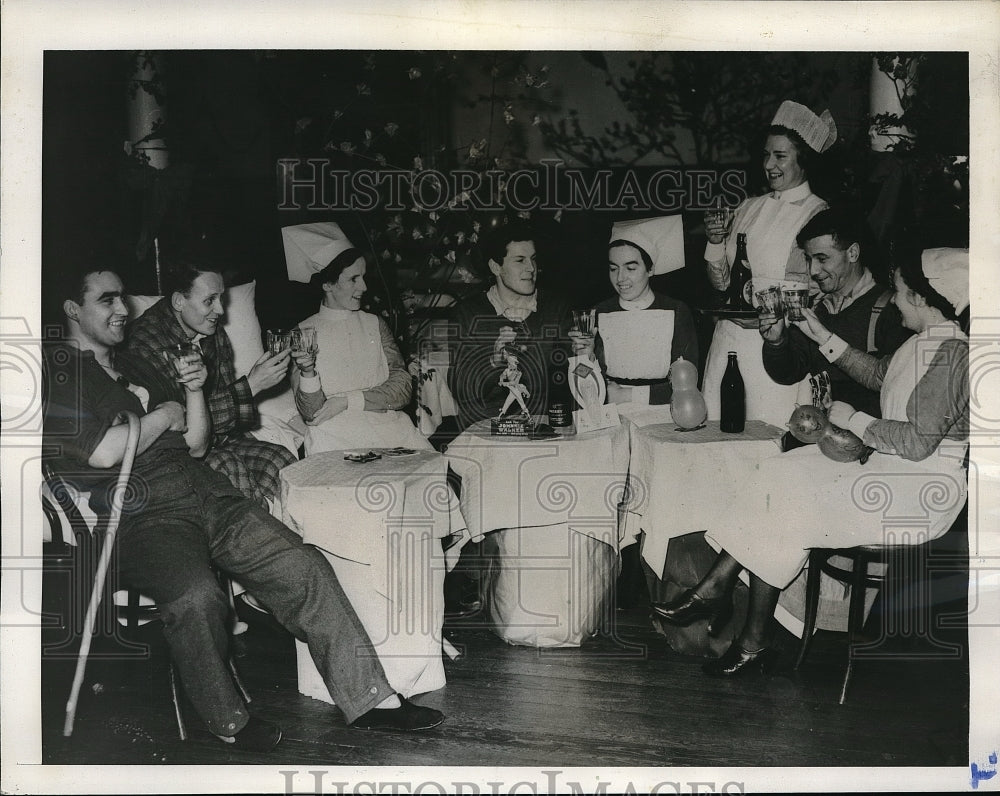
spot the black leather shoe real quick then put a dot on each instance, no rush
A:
(408, 717)
(737, 660)
(690, 607)
(257, 735)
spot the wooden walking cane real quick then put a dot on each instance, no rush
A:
(117, 501)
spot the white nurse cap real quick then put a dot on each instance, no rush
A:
(819, 132)
(309, 248)
(661, 238)
(947, 270)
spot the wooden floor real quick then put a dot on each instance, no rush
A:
(625, 702)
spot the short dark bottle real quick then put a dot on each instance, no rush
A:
(732, 398)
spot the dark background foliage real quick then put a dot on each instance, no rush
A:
(232, 115)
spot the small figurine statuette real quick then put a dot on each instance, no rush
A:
(511, 379)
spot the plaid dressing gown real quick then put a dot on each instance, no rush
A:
(251, 465)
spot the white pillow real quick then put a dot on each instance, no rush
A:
(139, 304)
(242, 326)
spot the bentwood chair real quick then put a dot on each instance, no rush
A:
(900, 562)
(128, 608)
(858, 578)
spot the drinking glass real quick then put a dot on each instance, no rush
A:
(794, 299)
(583, 321)
(720, 214)
(277, 340)
(769, 300)
(304, 339)
(177, 355)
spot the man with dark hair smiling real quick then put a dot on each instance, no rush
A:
(183, 518)
(510, 313)
(852, 305)
(191, 311)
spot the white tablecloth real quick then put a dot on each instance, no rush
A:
(684, 481)
(681, 482)
(553, 504)
(510, 482)
(380, 524)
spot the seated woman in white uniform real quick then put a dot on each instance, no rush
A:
(351, 392)
(641, 332)
(794, 141)
(801, 499)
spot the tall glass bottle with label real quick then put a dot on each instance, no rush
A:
(740, 286)
(732, 398)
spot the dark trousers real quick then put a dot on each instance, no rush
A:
(189, 517)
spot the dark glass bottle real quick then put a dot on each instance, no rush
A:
(732, 398)
(739, 277)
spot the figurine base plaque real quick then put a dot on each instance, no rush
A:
(514, 426)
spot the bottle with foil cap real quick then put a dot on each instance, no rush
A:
(740, 284)
(732, 397)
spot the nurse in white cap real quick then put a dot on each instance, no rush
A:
(920, 444)
(351, 394)
(795, 138)
(641, 332)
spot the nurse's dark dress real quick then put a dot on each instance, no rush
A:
(636, 346)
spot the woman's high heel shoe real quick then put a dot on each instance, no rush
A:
(737, 660)
(690, 607)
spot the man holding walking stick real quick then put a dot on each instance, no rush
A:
(180, 518)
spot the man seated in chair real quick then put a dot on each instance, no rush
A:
(181, 518)
(191, 311)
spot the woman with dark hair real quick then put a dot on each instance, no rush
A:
(794, 140)
(641, 332)
(351, 391)
(801, 499)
